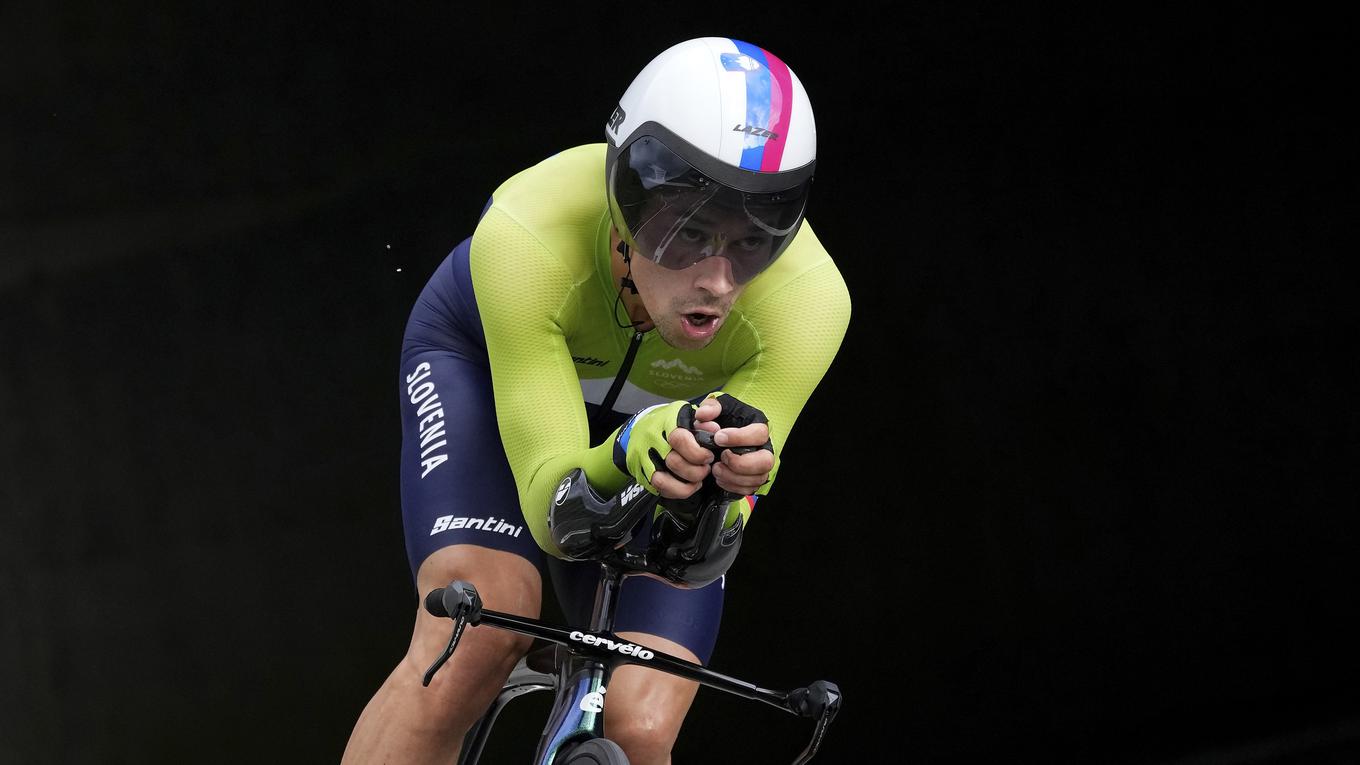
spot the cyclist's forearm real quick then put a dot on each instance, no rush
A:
(536, 492)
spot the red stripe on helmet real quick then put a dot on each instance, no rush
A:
(781, 111)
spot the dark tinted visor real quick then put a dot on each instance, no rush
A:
(676, 216)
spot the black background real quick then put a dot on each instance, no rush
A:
(1078, 487)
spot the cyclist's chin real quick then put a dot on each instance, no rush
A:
(678, 340)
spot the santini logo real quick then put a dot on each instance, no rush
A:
(627, 649)
(562, 489)
(489, 523)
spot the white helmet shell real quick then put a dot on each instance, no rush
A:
(761, 120)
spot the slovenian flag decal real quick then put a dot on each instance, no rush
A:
(769, 92)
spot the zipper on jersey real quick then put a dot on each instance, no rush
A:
(608, 404)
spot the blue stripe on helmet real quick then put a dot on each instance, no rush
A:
(758, 86)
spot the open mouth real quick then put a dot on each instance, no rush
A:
(700, 324)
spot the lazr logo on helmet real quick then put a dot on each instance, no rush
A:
(616, 118)
(755, 131)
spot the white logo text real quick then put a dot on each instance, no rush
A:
(431, 411)
(627, 649)
(489, 523)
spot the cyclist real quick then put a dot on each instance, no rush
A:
(605, 292)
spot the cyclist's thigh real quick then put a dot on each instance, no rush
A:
(460, 507)
(688, 617)
(456, 485)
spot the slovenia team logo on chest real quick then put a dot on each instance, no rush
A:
(674, 373)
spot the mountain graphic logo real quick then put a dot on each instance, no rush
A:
(674, 366)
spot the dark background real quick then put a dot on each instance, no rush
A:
(1078, 488)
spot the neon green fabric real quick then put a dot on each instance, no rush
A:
(540, 269)
(650, 430)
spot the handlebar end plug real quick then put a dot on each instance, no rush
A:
(821, 698)
(460, 600)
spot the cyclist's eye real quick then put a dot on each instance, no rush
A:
(691, 235)
(752, 243)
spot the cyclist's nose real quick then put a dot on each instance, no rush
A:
(714, 274)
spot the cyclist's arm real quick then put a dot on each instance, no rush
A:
(793, 334)
(525, 295)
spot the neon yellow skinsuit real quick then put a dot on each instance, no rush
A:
(540, 265)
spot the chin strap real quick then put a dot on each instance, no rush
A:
(626, 280)
(625, 283)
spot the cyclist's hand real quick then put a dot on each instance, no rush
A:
(686, 466)
(658, 450)
(737, 424)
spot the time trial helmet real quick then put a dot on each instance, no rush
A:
(711, 152)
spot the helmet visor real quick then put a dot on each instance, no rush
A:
(676, 216)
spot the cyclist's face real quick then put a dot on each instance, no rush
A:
(688, 306)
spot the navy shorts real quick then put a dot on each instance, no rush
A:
(456, 485)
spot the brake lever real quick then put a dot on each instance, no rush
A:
(821, 700)
(460, 602)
